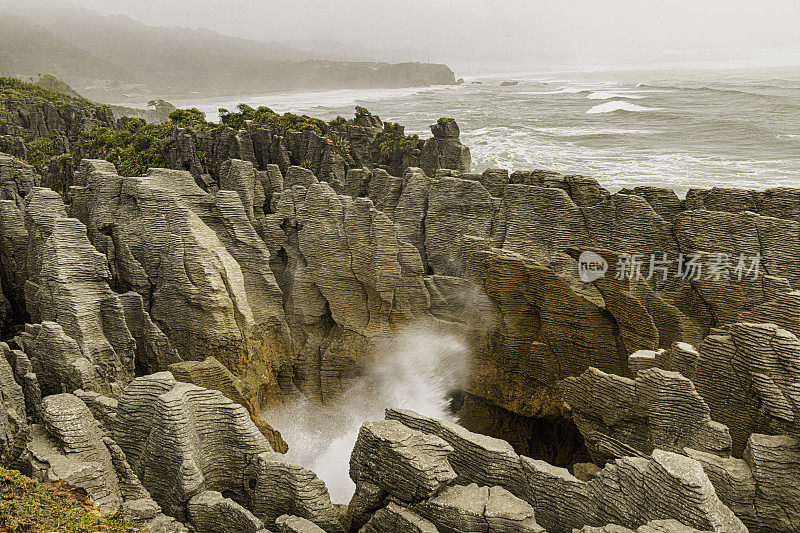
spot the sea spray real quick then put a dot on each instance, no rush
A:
(416, 369)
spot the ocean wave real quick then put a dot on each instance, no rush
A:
(603, 95)
(707, 89)
(562, 90)
(588, 131)
(619, 105)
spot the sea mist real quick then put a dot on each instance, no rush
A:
(416, 369)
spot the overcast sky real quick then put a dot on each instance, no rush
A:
(521, 32)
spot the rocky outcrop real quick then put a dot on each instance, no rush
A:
(475, 509)
(346, 280)
(62, 123)
(657, 410)
(396, 518)
(295, 524)
(180, 439)
(749, 378)
(406, 463)
(494, 489)
(13, 413)
(67, 446)
(204, 257)
(445, 150)
(151, 320)
(276, 487)
(761, 487)
(211, 374)
(211, 512)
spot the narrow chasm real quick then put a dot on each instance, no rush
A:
(555, 439)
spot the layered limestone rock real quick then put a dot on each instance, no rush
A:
(401, 461)
(17, 180)
(656, 526)
(211, 374)
(275, 487)
(180, 248)
(70, 289)
(68, 446)
(657, 410)
(761, 487)
(749, 378)
(13, 415)
(346, 278)
(181, 439)
(476, 458)
(778, 202)
(629, 492)
(296, 524)
(396, 518)
(444, 150)
(211, 512)
(476, 509)
(667, 486)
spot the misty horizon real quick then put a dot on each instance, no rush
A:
(507, 36)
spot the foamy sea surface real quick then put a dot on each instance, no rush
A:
(672, 128)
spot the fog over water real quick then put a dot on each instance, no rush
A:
(466, 33)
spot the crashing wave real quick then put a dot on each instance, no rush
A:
(618, 105)
(603, 95)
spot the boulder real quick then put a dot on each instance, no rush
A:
(477, 509)
(659, 409)
(276, 487)
(397, 519)
(210, 512)
(406, 463)
(295, 524)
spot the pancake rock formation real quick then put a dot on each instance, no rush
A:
(631, 360)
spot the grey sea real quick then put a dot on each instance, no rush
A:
(674, 128)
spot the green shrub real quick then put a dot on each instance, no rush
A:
(13, 89)
(191, 119)
(40, 151)
(133, 149)
(267, 117)
(26, 506)
(340, 145)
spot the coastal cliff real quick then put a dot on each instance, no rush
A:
(112, 58)
(150, 316)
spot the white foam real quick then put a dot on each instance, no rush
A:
(619, 105)
(603, 95)
(589, 130)
(562, 90)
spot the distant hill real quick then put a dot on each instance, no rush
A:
(95, 53)
(27, 49)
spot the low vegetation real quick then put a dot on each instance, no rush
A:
(265, 116)
(133, 146)
(13, 89)
(28, 506)
(390, 145)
